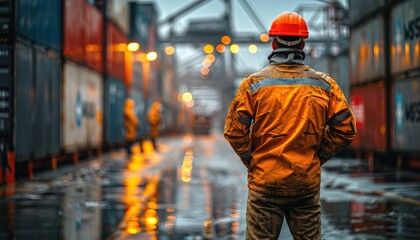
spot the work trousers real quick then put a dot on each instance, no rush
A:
(265, 214)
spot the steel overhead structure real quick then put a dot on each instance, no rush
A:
(328, 23)
(210, 31)
(332, 30)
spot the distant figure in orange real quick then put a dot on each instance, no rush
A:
(131, 124)
(154, 117)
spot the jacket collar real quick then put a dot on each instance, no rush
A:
(286, 56)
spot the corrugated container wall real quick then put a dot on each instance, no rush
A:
(82, 108)
(94, 31)
(368, 105)
(23, 139)
(360, 9)
(117, 11)
(143, 18)
(405, 36)
(406, 111)
(367, 55)
(74, 16)
(116, 49)
(38, 92)
(40, 20)
(83, 33)
(115, 95)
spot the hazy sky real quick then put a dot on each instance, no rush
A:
(266, 10)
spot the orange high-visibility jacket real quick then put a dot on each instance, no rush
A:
(154, 117)
(284, 123)
(131, 122)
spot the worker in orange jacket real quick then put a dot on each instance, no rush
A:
(130, 123)
(154, 117)
(284, 123)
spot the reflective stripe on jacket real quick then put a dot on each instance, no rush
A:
(284, 123)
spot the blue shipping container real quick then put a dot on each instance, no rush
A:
(115, 94)
(40, 20)
(38, 92)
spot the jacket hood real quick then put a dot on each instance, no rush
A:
(286, 56)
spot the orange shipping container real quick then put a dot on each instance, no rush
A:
(83, 33)
(116, 50)
(74, 12)
(368, 105)
(94, 29)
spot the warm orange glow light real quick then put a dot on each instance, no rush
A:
(206, 63)
(220, 48)
(187, 97)
(133, 46)
(170, 50)
(151, 56)
(211, 58)
(264, 37)
(252, 48)
(208, 48)
(226, 40)
(204, 71)
(234, 48)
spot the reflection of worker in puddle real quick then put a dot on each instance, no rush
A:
(131, 124)
(154, 117)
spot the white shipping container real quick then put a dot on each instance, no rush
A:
(117, 11)
(405, 36)
(82, 108)
(367, 51)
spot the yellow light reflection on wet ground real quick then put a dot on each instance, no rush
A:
(135, 196)
(187, 166)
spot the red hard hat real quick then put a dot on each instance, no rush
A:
(289, 24)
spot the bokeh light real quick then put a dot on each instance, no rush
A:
(234, 48)
(170, 50)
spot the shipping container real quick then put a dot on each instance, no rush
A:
(116, 50)
(405, 36)
(359, 10)
(40, 21)
(82, 108)
(117, 11)
(83, 33)
(94, 34)
(115, 95)
(367, 55)
(369, 108)
(37, 98)
(74, 31)
(24, 104)
(406, 114)
(143, 21)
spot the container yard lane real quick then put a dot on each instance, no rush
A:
(195, 188)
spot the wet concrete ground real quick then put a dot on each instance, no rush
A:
(195, 188)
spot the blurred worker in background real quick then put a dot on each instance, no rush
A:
(131, 124)
(284, 123)
(154, 117)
